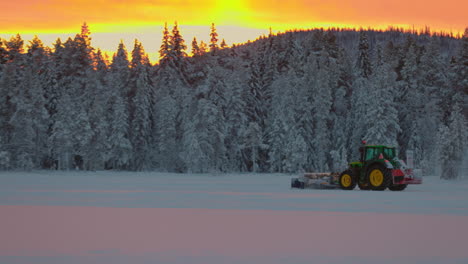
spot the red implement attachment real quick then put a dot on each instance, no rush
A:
(405, 176)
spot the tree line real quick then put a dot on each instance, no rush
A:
(290, 102)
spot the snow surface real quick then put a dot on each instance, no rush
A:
(123, 217)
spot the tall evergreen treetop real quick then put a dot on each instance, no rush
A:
(224, 44)
(15, 47)
(195, 47)
(3, 52)
(85, 34)
(34, 45)
(138, 55)
(165, 45)
(214, 39)
(364, 63)
(120, 59)
(177, 44)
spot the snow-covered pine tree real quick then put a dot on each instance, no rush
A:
(118, 142)
(363, 63)
(280, 121)
(61, 136)
(166, 131)
(428, 106)
(322, 102)
(236, 124)
(408, 95)
(140, 109)
(23, 134)
(119, 147)
(459, 76)
(258, 99)
(98, 122)
(341, 132)
(360, 97)
(381, 117)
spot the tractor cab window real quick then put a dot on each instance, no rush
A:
(389, 153)
(370, 153)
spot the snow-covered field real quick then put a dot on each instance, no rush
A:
(122, 217)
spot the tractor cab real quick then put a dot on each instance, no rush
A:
(378, 152)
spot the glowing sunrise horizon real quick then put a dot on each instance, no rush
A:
(236, 21)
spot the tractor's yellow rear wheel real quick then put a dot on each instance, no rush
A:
(347, 180)
(379, 178)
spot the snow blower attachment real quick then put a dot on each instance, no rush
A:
(378, 168)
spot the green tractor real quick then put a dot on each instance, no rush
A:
(377, 169)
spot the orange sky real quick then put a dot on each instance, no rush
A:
(238, 21)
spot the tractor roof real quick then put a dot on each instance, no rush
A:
(379, 146)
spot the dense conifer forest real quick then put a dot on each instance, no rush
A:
(289, 102)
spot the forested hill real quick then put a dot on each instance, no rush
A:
(296, 101)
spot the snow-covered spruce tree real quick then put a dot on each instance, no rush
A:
(258, 99)
(199, 148)
(74, 71)
(15, 106)
(119, 147)
(341, 131)
(459, 76)
(54, 88)
(205, 131)
(194, 153)
(7, 106)
(172, 86)
(428, 106)
(408, 94)
(140, 109)
(236, 124)
(119, 150)
(360, 99)
(253, 142)
(322, 103)
(168, 147)
(363, 63)
(22, 139)
(61, 136)
(381, 117)
(298, 122)
(30, 118)
(453, 143)
(98, 154)
(281, 119)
